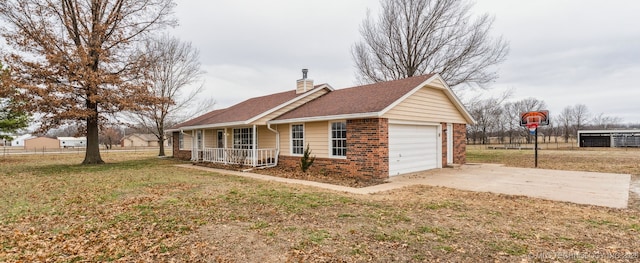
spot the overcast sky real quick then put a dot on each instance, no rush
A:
(564, 52)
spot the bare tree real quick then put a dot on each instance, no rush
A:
(604, 122)
(175, 67)
(526, 105)
(415, 37)
(70, 130)
(487, 113)
(76, 60)
(566, 121)
(580, 116)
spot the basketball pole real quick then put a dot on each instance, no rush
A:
(536, 148)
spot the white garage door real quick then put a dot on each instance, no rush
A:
(412, 148)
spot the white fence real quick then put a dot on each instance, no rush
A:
(249, 157)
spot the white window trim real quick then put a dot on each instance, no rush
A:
(304, 136)
(233, 139)
(330, 153)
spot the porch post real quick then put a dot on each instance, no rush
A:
(194, 146)
(224, 146)
(254, 160)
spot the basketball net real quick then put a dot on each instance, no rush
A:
(532, 123)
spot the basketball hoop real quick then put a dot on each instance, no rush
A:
(532, 120)
(532, 123)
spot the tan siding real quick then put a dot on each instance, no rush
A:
(427, 105)
(317, 136)
(187, 139)
(437, 83)
(284, 138)
(266, 138)
(300, 85)
(268, 117)
(210, 138)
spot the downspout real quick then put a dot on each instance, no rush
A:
(277, 144)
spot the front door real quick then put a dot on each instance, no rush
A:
(220, 138)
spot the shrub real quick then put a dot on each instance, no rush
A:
(306, 160)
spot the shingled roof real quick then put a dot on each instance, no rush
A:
(361, 99)
(242, 111)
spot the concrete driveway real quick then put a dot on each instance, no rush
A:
(601, 189)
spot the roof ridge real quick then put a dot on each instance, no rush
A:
(425, 76)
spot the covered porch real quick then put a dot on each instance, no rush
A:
(230, 156)
(254, 146)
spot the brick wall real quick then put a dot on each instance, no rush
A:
(368, 147)
(320, 165)
(459, 143)
(177, 153)
(367, 152)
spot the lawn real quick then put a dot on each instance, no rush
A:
(142, 208)
(610, 160)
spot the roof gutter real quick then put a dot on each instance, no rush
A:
(277, 143)
(328, 118)
(211, 126)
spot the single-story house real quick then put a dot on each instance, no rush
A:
(72, 142)
(18, 141)
(141, 140)
(40, 143)
(373, 131)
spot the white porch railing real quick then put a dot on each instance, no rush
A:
(262, 157)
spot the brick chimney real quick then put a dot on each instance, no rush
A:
(304, 84)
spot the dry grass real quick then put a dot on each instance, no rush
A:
(609, 160)
(141, 208)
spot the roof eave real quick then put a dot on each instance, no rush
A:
(328, 118)
(208, 126)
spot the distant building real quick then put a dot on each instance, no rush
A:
(17, 140)
(609, 138)
(140, 140)
(72, 142)
(39, 143)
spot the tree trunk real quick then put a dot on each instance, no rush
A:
(161, 142)
(92, 154)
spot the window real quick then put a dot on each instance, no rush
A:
(297, 139)
(339, 139)
(181, 140)
(243, 138)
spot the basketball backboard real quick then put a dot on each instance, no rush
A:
(541, 118)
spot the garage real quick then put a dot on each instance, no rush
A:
(412, 148)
